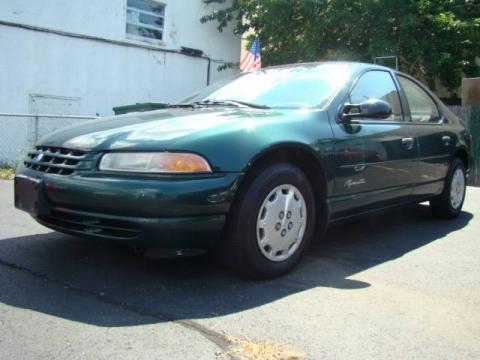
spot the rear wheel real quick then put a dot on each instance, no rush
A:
(449, 204)
(271, 223)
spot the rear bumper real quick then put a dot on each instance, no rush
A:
(162, 212)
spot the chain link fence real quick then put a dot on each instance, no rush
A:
(19, 132)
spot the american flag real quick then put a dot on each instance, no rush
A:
(252, 59)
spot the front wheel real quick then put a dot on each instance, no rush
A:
(271, 223)
(449, 203)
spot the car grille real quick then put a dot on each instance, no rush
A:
(91, 225)
(55, 160)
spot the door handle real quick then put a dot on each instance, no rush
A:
(408, 143)
(446, 140)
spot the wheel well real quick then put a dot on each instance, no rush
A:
(462, 154)
(311, 167)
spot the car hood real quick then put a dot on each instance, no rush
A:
(158, 130)
(228, 137)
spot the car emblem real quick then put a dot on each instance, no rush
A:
(39, 157)
(349, 183)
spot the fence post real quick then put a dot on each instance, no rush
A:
(35, 131)
(475, 131)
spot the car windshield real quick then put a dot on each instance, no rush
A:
(295, 87)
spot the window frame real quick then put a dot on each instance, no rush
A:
(150, 27)
(442, 117)
(371, 121)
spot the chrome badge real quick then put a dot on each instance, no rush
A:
(349, 183)
(38, 157)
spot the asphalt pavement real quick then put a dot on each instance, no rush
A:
(400, 284)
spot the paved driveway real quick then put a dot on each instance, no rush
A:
(396, 285)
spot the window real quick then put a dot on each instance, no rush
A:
(302, 86)
(378, 85)
(422, 107)
(145, 19)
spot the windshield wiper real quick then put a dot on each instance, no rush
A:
(187, 105)
(227, 102)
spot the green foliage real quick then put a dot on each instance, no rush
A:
(7, 173)
(435, 39)
(225, 66)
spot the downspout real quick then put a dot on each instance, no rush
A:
(208, 71)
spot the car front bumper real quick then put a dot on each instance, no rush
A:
(171, 212)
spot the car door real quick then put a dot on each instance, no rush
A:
(436, 139)
(375, 159)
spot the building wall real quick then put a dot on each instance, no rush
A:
(52, 72)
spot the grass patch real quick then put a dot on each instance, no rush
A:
(7, 173)
(247, 349)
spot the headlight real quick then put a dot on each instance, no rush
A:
(154, 162)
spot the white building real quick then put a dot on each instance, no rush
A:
(83, 57)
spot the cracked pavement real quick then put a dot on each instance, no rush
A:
(399, 284)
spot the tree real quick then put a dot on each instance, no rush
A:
(436, 40)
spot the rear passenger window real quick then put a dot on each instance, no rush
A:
(422, 107)
(378, 85)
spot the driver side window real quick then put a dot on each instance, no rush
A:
(377, 85)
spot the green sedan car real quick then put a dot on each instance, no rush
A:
(255, 168)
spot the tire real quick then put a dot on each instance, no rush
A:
(448, 204)
(253, 224)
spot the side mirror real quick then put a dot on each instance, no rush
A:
(371, 109)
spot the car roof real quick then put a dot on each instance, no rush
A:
(356, 65)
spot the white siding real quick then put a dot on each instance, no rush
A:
(102, 75)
